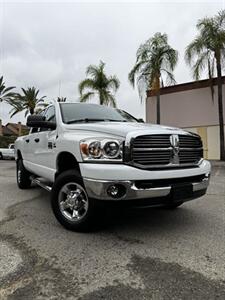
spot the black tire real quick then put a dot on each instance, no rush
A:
(70, 178)
(1, 156)
(173, 205)
(22, 175)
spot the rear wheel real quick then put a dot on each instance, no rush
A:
(70, 203)
(23, 176)
(1, 156)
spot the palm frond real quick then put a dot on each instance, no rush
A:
(200, 64)
(86, 97)
(111, 100)
(94, 71)
(5, 92)
(113, 83)
(135, 70)
(221, 18)
(86, 84)
(171, 58)
(170, 79)
(194, 49)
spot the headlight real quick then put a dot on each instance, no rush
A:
(111, 149)
(94, 149)
(101, 149)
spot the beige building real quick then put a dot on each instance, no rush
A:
(13, 129)
(190, 106)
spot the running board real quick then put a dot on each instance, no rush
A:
(44, 185)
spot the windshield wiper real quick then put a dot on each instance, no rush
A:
(111, 120)
(87, 120)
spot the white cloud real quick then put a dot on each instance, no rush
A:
(47, 43)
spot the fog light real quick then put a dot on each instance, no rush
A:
(116, 190)
(113, 190)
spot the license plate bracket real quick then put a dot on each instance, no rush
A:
(182, 191)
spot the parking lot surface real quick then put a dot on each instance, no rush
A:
(133, 254)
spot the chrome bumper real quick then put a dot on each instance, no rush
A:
(98, 189)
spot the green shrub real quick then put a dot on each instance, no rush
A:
(6, 140)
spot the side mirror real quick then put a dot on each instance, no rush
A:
(38, 121)
(141, 120)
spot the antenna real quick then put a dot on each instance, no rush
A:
(59, 87)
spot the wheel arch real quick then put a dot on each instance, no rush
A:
(19, 155)
(66, 161)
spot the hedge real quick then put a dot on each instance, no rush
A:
(6, 140)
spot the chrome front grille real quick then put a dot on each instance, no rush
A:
(166, 150)
(152, 141)
(186, 141)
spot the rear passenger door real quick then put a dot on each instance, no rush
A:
(28, 148)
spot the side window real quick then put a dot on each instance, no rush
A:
(50, 114)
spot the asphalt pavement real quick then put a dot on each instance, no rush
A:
(133, 254)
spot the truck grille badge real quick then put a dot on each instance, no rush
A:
(174, 141)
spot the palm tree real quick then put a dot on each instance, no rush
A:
(28, 100)
(207, 50)
(5, 92)
(155, 61)
(99, 84)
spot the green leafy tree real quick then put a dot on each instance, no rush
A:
(6, 93)
(155, 62)
(98, 83)
(28, 100)
(206, 51)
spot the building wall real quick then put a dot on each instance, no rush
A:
(187, 108)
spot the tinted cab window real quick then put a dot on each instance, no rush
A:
(50, 114)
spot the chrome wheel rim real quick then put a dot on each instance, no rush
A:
(73, 202)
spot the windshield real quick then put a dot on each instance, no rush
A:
(80, 113)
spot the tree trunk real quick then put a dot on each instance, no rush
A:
(101, 99)
(31, 111)
(158, 107)
(220, 108)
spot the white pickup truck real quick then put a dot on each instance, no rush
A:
(86, 154)
(7, 152)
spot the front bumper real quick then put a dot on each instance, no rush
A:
(170, 185)
(179, 189)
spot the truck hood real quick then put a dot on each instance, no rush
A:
(122, 128)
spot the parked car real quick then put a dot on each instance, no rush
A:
(86, 154)
(7, 152)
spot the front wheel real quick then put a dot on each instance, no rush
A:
(70, 203)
